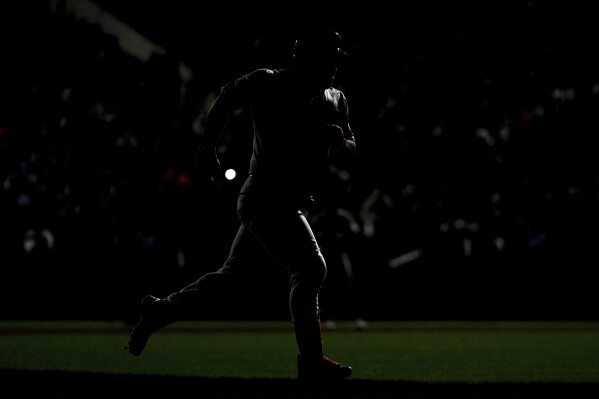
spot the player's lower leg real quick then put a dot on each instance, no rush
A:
(311, 362)
(153, 316)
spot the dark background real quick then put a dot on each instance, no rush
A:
(476, 121)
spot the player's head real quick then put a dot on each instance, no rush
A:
(318, 44)
(317, 52)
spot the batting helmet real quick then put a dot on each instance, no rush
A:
(319, 43)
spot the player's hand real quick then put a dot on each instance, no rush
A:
(207, 164)
(333, 135)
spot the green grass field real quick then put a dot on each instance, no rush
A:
(421, 359)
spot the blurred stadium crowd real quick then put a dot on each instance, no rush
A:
(474, 193)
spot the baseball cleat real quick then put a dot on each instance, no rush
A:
(321, 369)
(140, 334)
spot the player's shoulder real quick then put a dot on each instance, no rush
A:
(263, 73)
(334, 95)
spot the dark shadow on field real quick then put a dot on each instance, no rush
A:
(61, 384)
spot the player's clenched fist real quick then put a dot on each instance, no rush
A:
(333, 135)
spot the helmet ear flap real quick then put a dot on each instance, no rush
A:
(297, 49)
(300, 54)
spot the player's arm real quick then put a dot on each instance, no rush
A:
(349, 141)
(343, 141)
(231, 97)
(206, 161)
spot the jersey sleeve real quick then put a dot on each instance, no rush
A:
(232, 96)
(241, 91)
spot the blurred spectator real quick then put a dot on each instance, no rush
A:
(339, 234)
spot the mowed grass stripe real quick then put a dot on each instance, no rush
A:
(499, 352)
